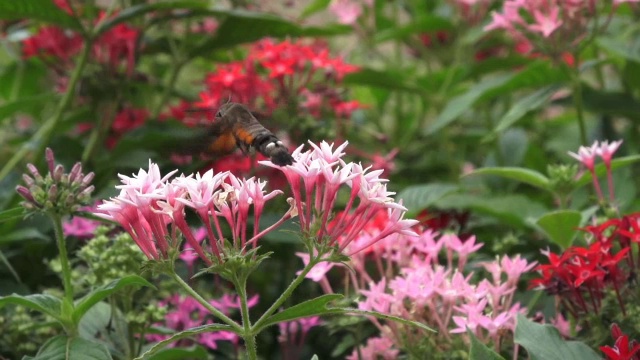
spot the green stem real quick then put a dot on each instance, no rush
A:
(576, 86)
(249, 337)
(217, 313)
(41, 137)
(313, 261)
(56, 220)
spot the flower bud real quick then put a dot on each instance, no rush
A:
(25, 193)
(87, 179)
(57, 173)
(34, 172)
(76, 172)
(28, 180)
(51, 161)
(53, 193)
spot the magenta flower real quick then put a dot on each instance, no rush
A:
(80, 227)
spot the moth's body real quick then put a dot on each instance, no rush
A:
(235, 126)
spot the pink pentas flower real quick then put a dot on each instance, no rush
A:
(377, 348)
(318, 175)
(606, 150)
(347, 11)
(546, 24)
(148, 203)
(185, 313)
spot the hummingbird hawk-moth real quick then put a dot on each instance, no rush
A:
(236, 127)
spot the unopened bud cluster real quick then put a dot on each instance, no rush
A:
(57, 191)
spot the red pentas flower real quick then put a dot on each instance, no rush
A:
(622, 349)
(51, 41)
(276, 72)
(116, 46)
(581, 275)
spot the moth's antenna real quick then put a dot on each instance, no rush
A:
(229, 99)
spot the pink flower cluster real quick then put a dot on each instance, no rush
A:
(316, 178)
(149, 202)
(186, 313)
(415, 285)
(553, 25)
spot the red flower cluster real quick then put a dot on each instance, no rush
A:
(52, 42)
(581, 276)
(290, 72)
(621, 349)
(114, 49)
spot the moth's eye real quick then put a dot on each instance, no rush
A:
(219, 113)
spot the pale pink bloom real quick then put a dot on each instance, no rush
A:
(381, 348)
(606, 150)
(546, 24)
(514, 267)
(293, 332)
(229, 302)
(454, 245)
(322, 172)
(586, 155)
(188, 253)
(319, 271)
(347, 11)
(377, 298)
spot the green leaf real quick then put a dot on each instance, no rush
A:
(23, 104)
(192, 352)
(387, 79)
(10, 214)
(385, 317)
(422, 24)
(66, 348)
(543, 342)
(515, 210)
(561, 226)
(7, 264)
(23, 235)
(43, 10)
(314, 7)
(524, 175)
(43, 303)
(480, 351)
(525, 104)
(458, 105)
(182, 335)
(619, 48)
(535, 75)
(601, 170)
(84, 304)
(240, 27)
(313, 307)
(419, 197)
(609, 102)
